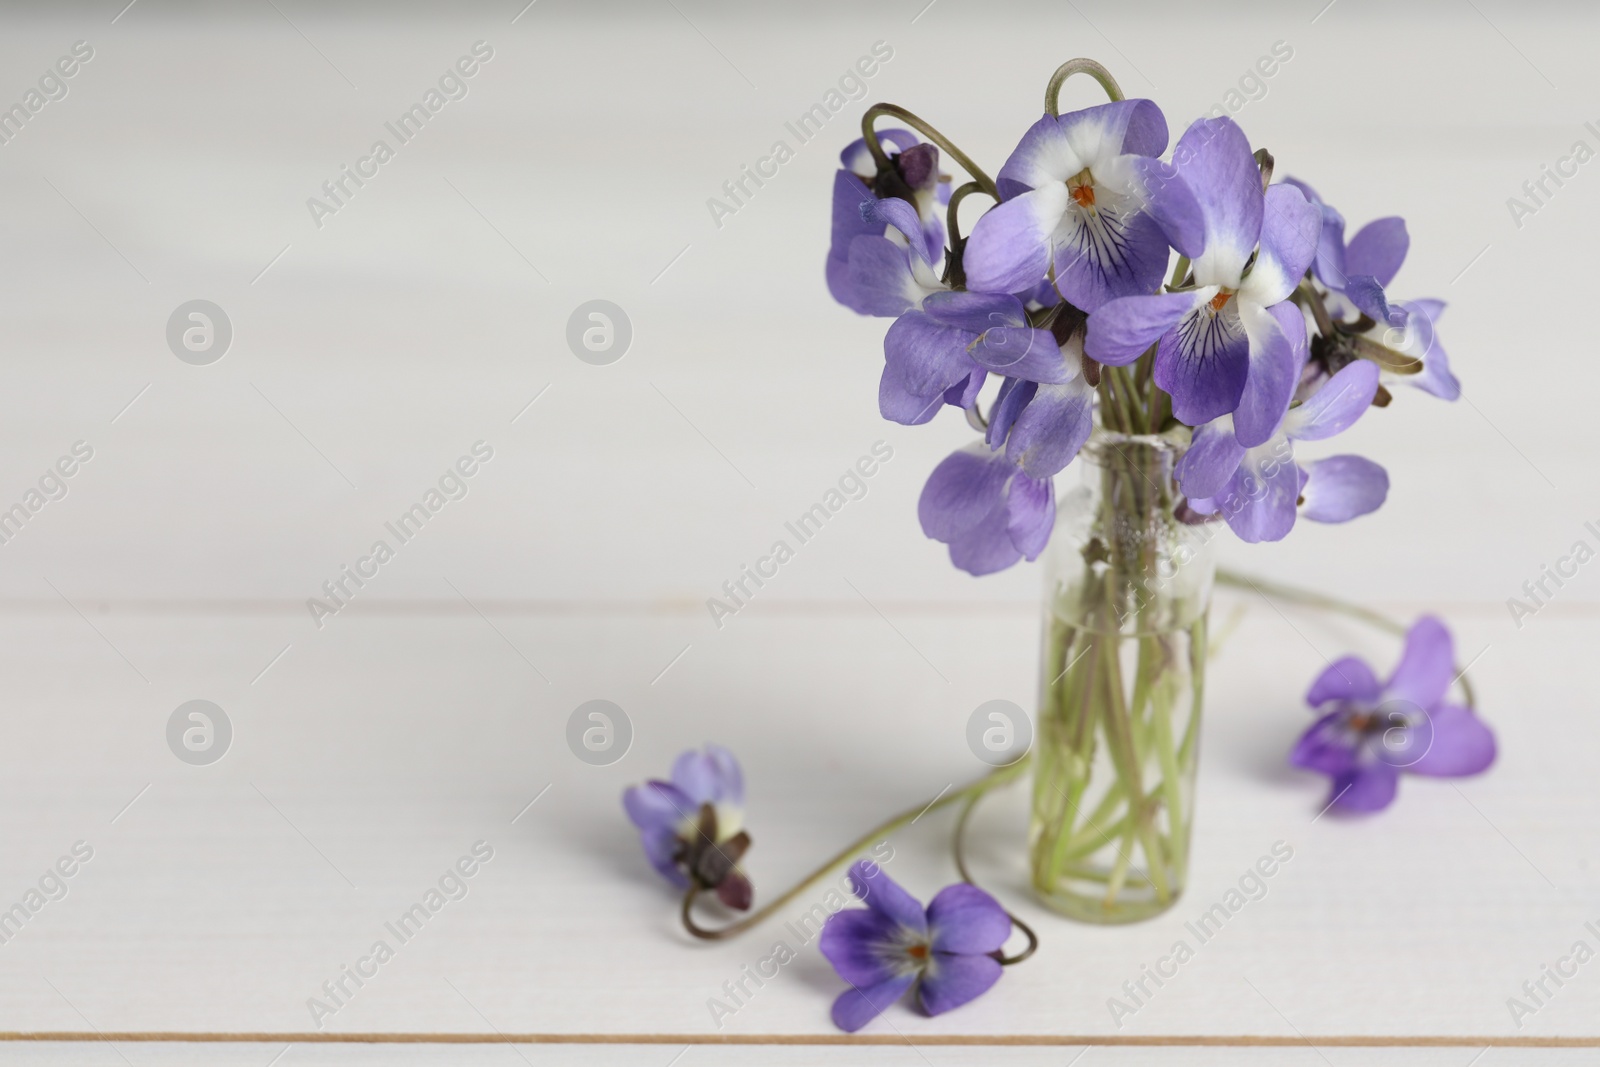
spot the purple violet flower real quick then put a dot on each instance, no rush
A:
(1360, 270)
(1419, 339)
(690, 826)
(868, 269)
(1259, 489)
(1086, 202)
(1357, 275)
(987, 509)
(950, 951)
(1375, 731)
(1221, 349)
(942, 351)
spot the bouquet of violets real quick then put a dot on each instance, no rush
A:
(1177, 326)
(1058, 294)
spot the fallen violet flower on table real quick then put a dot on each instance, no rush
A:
(1375, 731)
(690, 826)
(950, 952)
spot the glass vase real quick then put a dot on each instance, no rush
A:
(1127, 591)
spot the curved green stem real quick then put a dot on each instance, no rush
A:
(960, 194)
(957, 841)
(1306, 295)
(1266, 163)
(881, 157)
(1312, 599)
(1052, 92)
(996, 777)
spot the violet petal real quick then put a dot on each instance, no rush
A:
(1347, 678)
(1341, 488)
(856, 1008)
(1325, 747)
(1214, 157)
(1370, 787)
(1120, 331)
(855, 942)
(1333, 408)
(1378, 248)
(1274, 370)
(961, 492)
(952, 980)
(883, 895)
(963, 918)
(1052, 428)
(1427, 666)
(1462, 744)
(1009, 249)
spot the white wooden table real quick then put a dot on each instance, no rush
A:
(370, 354)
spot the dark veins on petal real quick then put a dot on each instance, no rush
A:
(1101, 237)
(1205, 333)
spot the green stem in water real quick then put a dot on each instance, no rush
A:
(1164, 699)
(974, 789)
(1119, 870)
(1267, 588)
(1076, 724)
(1094, 836)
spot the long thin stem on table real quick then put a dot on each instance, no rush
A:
(1310, 598)
(989, 781)
(957, 842)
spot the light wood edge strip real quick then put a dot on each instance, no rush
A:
(1014, 1040)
